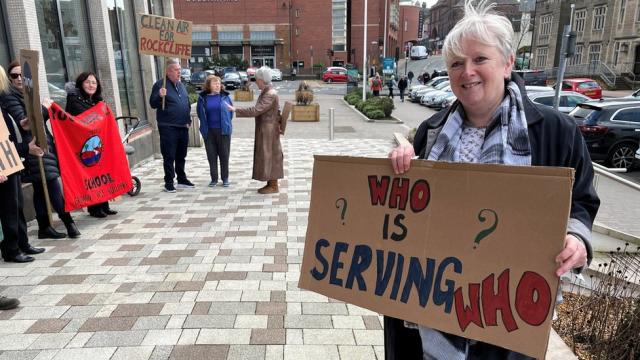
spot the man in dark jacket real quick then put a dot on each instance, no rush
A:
(173, 125)
(402, 86)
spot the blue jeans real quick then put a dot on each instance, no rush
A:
(173, 146)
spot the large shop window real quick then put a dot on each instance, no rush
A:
(155, 7)
(125, 49)
(5, 54)
(66, 44)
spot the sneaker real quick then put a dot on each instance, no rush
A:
(185, 184)
(169, 188)
(213, 184)
(225, 184)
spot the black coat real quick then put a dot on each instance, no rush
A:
(13, 103)
(555, 141)
(77, 103)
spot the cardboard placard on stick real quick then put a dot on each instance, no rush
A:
(9, 158)
(29, 60)
(162, 36)
(468, 249)
(284, 117)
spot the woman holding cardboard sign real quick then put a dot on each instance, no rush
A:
(493, 121)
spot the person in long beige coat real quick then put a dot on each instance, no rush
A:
(267, 151)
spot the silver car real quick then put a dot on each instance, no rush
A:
(568, 99)
(276, 75)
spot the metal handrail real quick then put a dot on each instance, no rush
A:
(608, 172)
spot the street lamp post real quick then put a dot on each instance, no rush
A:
(364, 54)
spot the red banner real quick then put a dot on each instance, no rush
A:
(93, 163)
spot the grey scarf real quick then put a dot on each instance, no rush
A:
(507, 143)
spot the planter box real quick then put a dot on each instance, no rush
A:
(240, 95)
(305, 112)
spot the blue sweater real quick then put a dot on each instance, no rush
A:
(225, 115)
(214, 120)
(177, 111)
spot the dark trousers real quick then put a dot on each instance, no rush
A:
(173, 146)
(55, 196)
(401, 94)
(14, 225)
(99, 207)
(391, 92)
(218, 146)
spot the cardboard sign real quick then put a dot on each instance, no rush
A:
(284, 117)
(31, 92)
(9, 159)
(467, 249)
(164, 36)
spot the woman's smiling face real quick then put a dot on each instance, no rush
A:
(477, 75)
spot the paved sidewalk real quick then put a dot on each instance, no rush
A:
(209, 273)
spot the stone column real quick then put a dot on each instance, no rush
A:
(22, 22)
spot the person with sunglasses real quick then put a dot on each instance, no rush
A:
(13, 102)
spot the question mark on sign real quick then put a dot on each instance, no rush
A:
(344, 208)
(486, 232)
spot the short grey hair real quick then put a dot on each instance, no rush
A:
(264, 74)
(480, 23)
(172, 61)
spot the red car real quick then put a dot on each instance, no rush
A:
(335, 75)
(584, 86)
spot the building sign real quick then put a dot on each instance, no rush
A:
(388, 65)
(420, 24)
(429, 248)
(163, 36)
(263, 51)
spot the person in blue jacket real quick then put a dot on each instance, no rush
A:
(174, 120)
(215, 126)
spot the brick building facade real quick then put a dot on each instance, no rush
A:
(288, 33)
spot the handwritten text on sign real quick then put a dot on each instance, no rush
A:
(165, 36)
(460, 248)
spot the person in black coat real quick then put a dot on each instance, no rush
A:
(15, 245)
(86, 94)
(13, 102)
(402, 86)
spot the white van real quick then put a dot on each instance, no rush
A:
(418, 52)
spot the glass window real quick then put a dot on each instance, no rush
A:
(599, 14)
(127, 61)
(263, 35)
(339, 24)
(545, 100)
(581, 15)
(201, 36)
(567, 86)
(5, 54)
(573, 100)
(64, 34)
(576, 59)
(229, 35)
(630, 115)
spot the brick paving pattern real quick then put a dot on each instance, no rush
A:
(209, 273)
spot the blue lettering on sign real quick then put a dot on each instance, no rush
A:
(425, 275)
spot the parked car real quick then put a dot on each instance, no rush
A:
(228, 69)
(335, 75)
(243, 76)
(185, 75)
(418, 52)
(568, 99)
(534, 88)
(426, 93)
(232, 80)
(430, 84)
(276, 75)
(584, 86)
(251, 73)
(417, 96)
(610, 130)
(533, 77)
(198, 79)
(439, 99)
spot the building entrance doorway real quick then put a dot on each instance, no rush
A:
(263, 56)
(262, 61)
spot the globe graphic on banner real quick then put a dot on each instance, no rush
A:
(91, 151)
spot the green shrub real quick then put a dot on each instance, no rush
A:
(375, 114)
(360, 104)
(385, 104)
(193, 98)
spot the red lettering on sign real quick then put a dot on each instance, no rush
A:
(468, 314)
(533, 298)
